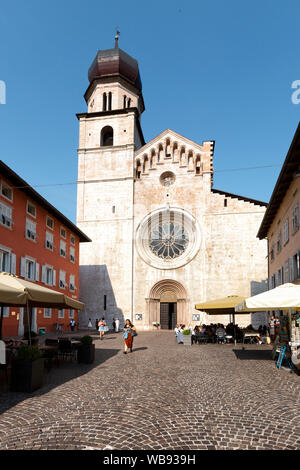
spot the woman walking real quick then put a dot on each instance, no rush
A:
(101, 328)
(129, 331)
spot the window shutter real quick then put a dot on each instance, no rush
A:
(269, 283)
(291, 269)
(298, 264)
(13, 264)
(7, 260)
(23, 267)
(37, 271)
(54, 277)
(44, 274)
(286, 271)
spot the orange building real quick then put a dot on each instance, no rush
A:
(281, 225)
(39, 244)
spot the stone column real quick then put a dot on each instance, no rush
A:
(34, 320)
(21, 322)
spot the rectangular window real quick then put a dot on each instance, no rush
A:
(279, 241)
(279, 277)
(47, 313)
(5, 215)
(63, 232)
(61, 313)
(286, 231)
(295, 219)
(4, 311)
(71, 313)
(50, 222)
(4, 261)
(296, 266)
(72, 239)
(273, 281)
(48, 275)
(272, 252)
(30, 270)
(31, 209)
(286, 271)
(49, 241)
(6, 191)
(30, 230)
(104, 302)
(62, 250)
(62, 279)
(72, 254)
(72, 282)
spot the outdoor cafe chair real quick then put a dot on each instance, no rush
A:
(65, 349)
(5, 367)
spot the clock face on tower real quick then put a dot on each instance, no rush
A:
(168, 238)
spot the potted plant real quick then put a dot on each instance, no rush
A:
(33, 337)
(187, 337)
(86, 350)
(27, 370)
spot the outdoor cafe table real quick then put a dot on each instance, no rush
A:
(251, 335)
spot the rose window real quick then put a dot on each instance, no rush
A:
(168, 240)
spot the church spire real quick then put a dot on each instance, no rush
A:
(117, 38)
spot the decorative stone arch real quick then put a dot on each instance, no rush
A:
(167, 290)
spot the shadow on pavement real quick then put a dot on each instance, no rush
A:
(253, 354)
(57, 376)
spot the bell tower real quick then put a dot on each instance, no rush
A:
(109, 134)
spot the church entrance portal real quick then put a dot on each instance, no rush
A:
(168, 315)
(167, 304)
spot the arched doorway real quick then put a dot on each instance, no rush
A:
(167, 304)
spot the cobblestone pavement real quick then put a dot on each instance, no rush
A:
(161, 396)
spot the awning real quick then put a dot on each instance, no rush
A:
(284, 297)
(224, 306)
(19, 292)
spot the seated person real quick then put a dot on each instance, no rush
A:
(220, 333)
(195, 334)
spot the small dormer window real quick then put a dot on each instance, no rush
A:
(107, 136)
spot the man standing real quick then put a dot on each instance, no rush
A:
(117, 325)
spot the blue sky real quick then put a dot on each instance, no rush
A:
(219, 70)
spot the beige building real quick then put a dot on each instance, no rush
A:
(163, 239)
(281, 224)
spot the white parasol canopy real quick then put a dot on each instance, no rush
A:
(284, 297)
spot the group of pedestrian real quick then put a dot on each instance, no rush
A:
(129, 331)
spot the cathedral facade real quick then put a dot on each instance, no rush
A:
(163, 239)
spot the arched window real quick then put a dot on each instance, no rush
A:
(109, 101)
(104, 103)
(129, 102)
(124, 101)
(107, 137)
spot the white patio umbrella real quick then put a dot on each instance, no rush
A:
(284, 297)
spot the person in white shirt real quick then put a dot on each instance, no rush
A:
(180, 334)
(117, 325)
